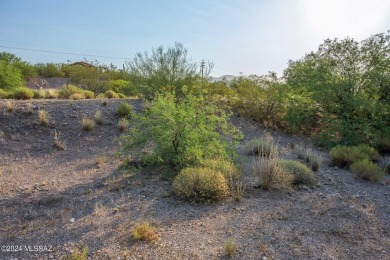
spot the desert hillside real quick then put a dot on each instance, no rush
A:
(64, 188)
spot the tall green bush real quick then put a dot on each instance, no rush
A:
(181, 133)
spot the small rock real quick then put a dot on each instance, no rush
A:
(72, 220)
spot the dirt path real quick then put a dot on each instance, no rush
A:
(64, 199)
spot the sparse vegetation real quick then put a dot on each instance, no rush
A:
(98, 117)
(43, 117)
(77, 96)
(87, 124)
(258, 147)
(123, 124)
(101, 160)
(201, 185)
(77, 254)
(59, 144)
(144, 231)
(10, 106)
(367, 170)
(125, 110)
(230, 248)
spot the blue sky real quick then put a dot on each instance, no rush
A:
(249, 36)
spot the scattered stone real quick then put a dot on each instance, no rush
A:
(72, 220)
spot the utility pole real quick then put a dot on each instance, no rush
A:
(202, 65)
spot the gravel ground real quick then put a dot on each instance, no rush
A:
(61, 200)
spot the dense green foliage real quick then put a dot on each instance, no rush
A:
(349, 84)
(181, 133)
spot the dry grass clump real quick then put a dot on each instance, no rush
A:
(3, 94)
(367, 170)
(270, 171)
(58, 144)
(89, 94)
(201, 185)
(310, 156)
(51, 93)
(123, 124)
(10, 106)
(230, 248)
(87, 124)
(144, 231)
(77, 96)
(124, 110)
(101, 160)
(258, 147)
(43, 118)
(98, 117)
(29, 108)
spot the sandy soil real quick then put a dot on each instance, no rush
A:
(64, 199)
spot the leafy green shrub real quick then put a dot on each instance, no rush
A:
(367, 170)
(144, 231)
(110, 94)
(181, 133)
(10, 76)
(23, 93)
(201, 185)
(49, 70)
(346, 155)
(125, 110)
(301, 173)
(258, 147)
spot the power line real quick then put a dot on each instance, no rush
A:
(68, 53)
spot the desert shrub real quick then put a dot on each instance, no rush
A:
(120, 95)
(43, 118)
(3, 93)
(301, 173)
(346, 155)
(98, 117)
(51, 93)
(89, 94)
(77, 254)
(87, 124)
(10, 106)
(370, 151)
(110, 94)
(29, 108)
(23, 93)
(258, 147)
(310, 156)
(58, 144)
(144, 231)
(201, 185)
(367, 170)
(123, 124)
(230, 248)
(124, 110)
(271, 174)
(227, 168)
(383, 146)
(49, 70)
(37, 94)
(100, 96)
(77, 96)
(181, 133)
(67, 90)
(10, 76)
